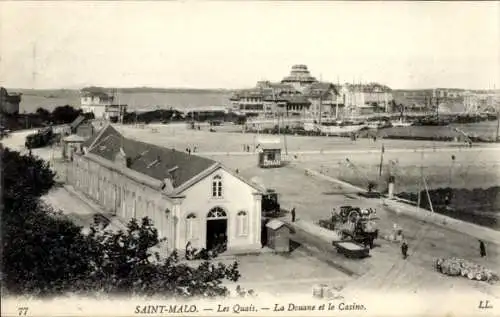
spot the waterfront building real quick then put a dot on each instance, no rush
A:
(9, 103)
(101, 104)
(295, 95)
(323, 98)
(189, 198)
(316, 98)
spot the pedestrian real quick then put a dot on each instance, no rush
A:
(195, 149)
(189, 251)
(404, 249)
(482, 248)
(293, 214)
(333, 215)
(447, 200)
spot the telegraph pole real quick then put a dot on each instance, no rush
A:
(437, 108)
(498, 125)
(337, 94)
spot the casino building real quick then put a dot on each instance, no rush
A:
(301, 94)
(298, 94)
(189, 198)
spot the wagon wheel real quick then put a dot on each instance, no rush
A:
(344, 213)
(354, 215)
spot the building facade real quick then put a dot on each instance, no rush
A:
(9, 103)
(323, 99)
(189, 198)
(101, 104)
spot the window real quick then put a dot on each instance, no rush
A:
(191, 228)
(242, 223)
(217, 187)
(217, 213)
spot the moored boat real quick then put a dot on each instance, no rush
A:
(401, 123)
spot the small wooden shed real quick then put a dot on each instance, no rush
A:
(72, 144)
(278, 236)
(269, 152)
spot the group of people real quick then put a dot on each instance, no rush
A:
(220, 245)
(220, 242)
(246, 148)
(194, 149)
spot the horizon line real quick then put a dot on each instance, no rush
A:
(226, 89)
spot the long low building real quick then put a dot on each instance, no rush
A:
(189, 198)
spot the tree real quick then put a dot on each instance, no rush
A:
(65, 114)
(43, 114)
(45, 254)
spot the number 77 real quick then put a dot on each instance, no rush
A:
(23, 311)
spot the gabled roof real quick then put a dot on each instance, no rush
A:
(103, 133)
(79, 120)
(158, 163)
(151, 160)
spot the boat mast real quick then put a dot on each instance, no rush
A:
(320, 104)
(498, 124)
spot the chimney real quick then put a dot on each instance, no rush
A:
(122, 159)
(168, 185)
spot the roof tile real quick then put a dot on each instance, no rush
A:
(154, 161)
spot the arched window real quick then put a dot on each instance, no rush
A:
(217, 186)
(242, 220)
(191, 226)
(216, 213)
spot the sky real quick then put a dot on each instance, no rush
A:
(194, 44)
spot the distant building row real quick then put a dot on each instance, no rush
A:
(300, 94)
(469, 100)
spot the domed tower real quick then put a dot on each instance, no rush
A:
(300, 77)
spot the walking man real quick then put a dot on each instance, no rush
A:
(293, 214)
(404, 249)
(482, 248)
